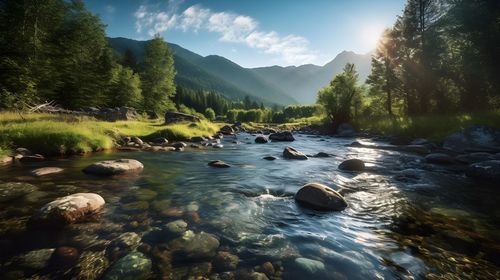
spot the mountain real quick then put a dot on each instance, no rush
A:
(212, 73)
(271, 85)
(303, 82)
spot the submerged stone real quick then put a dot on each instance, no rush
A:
(309, 265)
(91, 265)
(34, 260)
(134, 266)
(114, 167)
(46, 171)
(12, 191)
(225, 261)
(193, 246)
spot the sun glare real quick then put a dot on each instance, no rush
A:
(371, 34)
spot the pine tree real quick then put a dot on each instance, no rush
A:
(157, 76)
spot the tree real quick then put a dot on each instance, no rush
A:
(129, 60)
(125, 88)
(157, 75)
(337, 98)
(209, 113)
(383, 80)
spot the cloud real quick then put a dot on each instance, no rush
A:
(231, 27)
(110, 9)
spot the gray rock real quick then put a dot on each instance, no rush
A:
(137, 140)
(487, 170)
(46, 171)
(12, 191)
(197, 139)
(173, 117)
(282, 136)
(261, 139)
(309, 265)
(69, 209)
(179, 145)
(176, 228)
(227, 130)
(116, 114)
(193, 246)
(439, 158)
(218, 164)
(320, 197)
(270, 158)
(114, 167)
(474, 157)
(127, 240)
(474, 138)
(352, 165)
(225, 261)
(291, 153)
(134, 266)
(322, 155)
(32, 158)
(34, 260)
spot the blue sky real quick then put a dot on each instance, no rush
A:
(254, 33)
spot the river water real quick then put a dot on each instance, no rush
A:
(406, 219)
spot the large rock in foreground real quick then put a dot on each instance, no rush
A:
(282, 136)
(194, 246)
(291, 153)
(173, 117)
(69, 209)
(114, 167)
(487, 170)
(320, 197)
(475, 138)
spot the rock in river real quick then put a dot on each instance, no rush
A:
(192, 246)
(71, 208)
(34, 260)
(225, 261)
(488, 170)
(270, 158)
(309, 265)
(218, 164)
(261, 139)
(114, 167)
(291, 153)
(134, 266)
(227, 130)
(46, 171)
(11, 191)
(320, 197)
(439, 158)
(282, 136)
(352, 165)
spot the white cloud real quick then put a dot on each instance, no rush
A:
(110, 9)
(231, 27)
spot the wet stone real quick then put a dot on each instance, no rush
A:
(225, 261)
(352, 165)
(12, 191)
(270, 158)
(218, 164)
(134, 266)
(46, 171)
(192, 246)
(176, 228)
(291, 153)
(309, 265)
(320, 197)
(145, 194)
(114, 167)
(34, 260)
(439, 158)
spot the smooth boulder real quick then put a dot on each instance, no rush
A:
(487, 170)
(227, 130)
(194, 246)
(134, 266)
(218, 164)
(114, 167)
(261, 139)
(439, 158)
(71, 208)
(46, 171)
(320, 197)
(352, 165)
(173, 117)
(291, 153)
(282, 136)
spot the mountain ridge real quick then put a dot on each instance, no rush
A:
(270, 85)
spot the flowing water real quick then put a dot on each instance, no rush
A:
(406, 219)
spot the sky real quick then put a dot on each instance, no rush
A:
(254, 33)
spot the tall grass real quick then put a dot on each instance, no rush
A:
(433, 127)
(59, 134)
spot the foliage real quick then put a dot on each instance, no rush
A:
(339, 98)
(157, 75)
(125, 88)
(209, 113)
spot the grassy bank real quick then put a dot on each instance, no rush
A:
(50, 134)
(433, 127)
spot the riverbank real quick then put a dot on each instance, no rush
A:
(51, 134)
(432, 127)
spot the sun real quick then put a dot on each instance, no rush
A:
(371, 34)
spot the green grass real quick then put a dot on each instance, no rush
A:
(58, 134)
(433, 127)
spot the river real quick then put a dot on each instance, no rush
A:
(405, 219)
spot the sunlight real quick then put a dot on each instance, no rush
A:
(371, 33)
